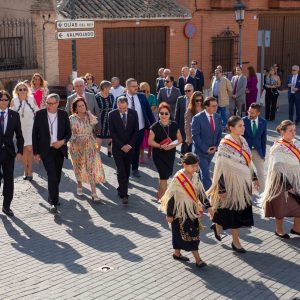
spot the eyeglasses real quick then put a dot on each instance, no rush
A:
(89, 78)
(51, 103)
(144, 91)
(187, 91)
(193, 64)
(4, 99)
(163, 113)
(22, 90)
(134, 86)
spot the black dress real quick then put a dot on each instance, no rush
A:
(164, 160)
(105, 106)
(233, 219)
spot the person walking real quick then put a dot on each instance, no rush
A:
(256, 136)
(251, 90)
(231, 190)
(282, 193)
(183, 203)
(185, 79)
(24, 104)
(10, 128)
(164, 137)
(124, 130)
(116, 88)
(50, 135)
(84, 154)
(206, 135)
(39, 90)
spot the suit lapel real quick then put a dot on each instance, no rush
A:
(59, 125)
(9, 122)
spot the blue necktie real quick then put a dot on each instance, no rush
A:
(2, 121)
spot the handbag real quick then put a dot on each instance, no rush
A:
(275, 92)
(166, 141)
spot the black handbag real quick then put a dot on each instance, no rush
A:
(275, 92)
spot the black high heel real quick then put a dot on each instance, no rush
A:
(217, 236)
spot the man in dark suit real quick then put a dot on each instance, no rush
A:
(10, 125)
(206, 133)
(139, 103)
(50, 135)
(169, 94)
(198, 84)
(293, 83)
(199, 74)
(160, 79)
(185, 79)
(181, 106)
(124, 130)
(256, 137)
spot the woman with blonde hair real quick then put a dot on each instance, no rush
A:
(23, 103)
(90, 83)
(145, 88)
(39, 90)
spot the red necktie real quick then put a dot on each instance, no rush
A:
(212, 125)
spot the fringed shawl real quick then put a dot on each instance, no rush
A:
(184, 206)
(283, 165)
(237, 177)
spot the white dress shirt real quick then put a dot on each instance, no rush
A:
(52, 119)
(138, 109)
(116, 92)
(5, 119)
(294, 82)
(208, 117)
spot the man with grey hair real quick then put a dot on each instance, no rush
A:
(293, 83)
(184, 79)
(50, 135)
(116, 89)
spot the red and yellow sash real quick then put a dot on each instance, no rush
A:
(188, 187)
(291, 147)
(238, 148)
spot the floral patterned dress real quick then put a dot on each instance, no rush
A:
(83, 150)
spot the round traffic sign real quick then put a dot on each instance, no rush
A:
(189, 30)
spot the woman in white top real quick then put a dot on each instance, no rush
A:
(23, 103)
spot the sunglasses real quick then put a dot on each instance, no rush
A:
(198, 100)
(163, 113)
(193, 64)
(51, 103)
(22, 90)
(167, 81)
(144, 91)
(89, 78)
(4, 99)
(187, 91)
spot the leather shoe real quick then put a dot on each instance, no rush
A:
(282, 236)
(8, 212)
(240, 250)
(53, 209)
(294, 232)
(181, 257)
(136, 173)
(217, 236)
(201, 264)
(124, 200)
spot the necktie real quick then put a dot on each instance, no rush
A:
(212, 125)
(254, 128)
(168, 92)
(294, 80)
(124, 119)
(235, 86)
(184, 80)
(2, 121)
(132, 103)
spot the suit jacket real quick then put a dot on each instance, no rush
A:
(199, 74)
(180, 110)
(202, 135)
(259, 141)
(163, 97)
(13, 127)
(120, 134)
(146, 109)
(289, 80)
(41, 133)
(198, 84)
(181, 83)
(224, 91)
(241, 88)
(160, 83)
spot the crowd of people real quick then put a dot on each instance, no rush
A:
(226, 125)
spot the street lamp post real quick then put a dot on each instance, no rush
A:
(239, 9)
(74, 54)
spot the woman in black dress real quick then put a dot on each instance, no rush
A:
(231, 190)
(164, 137)
(105, 102)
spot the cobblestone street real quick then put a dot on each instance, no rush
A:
(106, 251)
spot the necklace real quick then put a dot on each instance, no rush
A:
(51, 123)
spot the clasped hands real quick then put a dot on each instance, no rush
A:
(126, 148)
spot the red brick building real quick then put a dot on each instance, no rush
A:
(135, 38)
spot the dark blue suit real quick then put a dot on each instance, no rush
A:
(294, 99)
(160, 83)
(181, 83)
(259, 141)
(199, 74)
(203, 139)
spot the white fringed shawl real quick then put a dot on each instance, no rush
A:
(283, 166)
(237, 177)
(184, 206)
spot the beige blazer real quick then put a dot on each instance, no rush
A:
(224, 91)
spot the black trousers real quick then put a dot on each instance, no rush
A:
(293, 102)
(7, 164)
(53, 164)
(136, 155)
(123, 161)
(271, 105)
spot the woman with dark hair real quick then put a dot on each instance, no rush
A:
(281, 197)
(90, 83)
(105, 102)
(39, 90)
(251, 90)
(231, 190)
(83, 149)
(195, 106)
(183, 202)
(164, 137)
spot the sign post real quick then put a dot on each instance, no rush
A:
(189, 31)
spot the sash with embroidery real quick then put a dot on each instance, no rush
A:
(238, 148)
(188, 187)
(291, 147)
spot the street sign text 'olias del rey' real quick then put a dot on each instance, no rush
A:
(75, 24)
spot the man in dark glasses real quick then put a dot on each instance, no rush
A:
(293, 83)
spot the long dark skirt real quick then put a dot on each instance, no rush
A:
(233, 219)
(185, 235)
